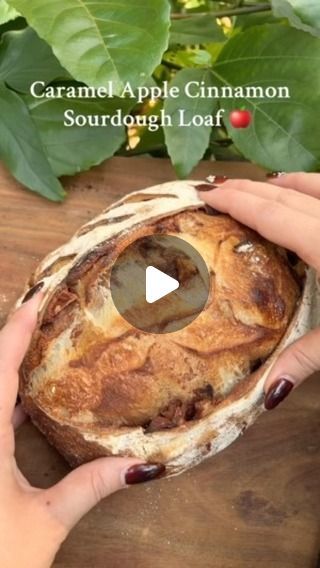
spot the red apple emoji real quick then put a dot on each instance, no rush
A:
(240, 118)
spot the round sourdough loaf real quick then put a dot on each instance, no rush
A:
(96, 386)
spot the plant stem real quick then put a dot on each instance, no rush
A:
(225, 13)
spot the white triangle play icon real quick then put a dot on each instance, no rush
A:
(158, 284)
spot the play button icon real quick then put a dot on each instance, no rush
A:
(158, 284)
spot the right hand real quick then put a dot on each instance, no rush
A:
(285, 211)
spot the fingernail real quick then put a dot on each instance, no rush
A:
(144, 472)
(275, 175)
(278, 392)
(219, 180)
(206, 187)
(32, 292)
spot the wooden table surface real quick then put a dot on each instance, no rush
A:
(254, 505)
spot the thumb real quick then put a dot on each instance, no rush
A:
(84, 487)
(296, 364)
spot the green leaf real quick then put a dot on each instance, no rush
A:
(71, 149)
(284, 134)
(6, 13)
(193, 57)
(25, 58)
(222, 147)
(260, 18)
(302, 14)
(102, 40)
(187, 144)
(13, 25)
(214, 49)
(21, 149)
(196, 30)
(195, 6)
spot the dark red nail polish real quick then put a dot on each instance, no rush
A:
(275, 175)
(206, 187)
(277, 393)
(32, 292)
(219, 180)
(144, 472)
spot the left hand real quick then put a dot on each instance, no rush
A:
(34, 522)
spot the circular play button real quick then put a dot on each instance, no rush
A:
(160, 284)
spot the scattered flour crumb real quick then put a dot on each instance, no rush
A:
(245, 247)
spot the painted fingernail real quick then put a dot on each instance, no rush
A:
(219, 180)
(206, 187)
(275, 175)
(32, 292)
(144, 472)
(278, 392)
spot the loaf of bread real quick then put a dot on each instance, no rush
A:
(96, 386)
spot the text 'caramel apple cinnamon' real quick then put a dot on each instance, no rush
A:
(96, 385)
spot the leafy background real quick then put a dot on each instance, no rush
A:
(232, 42)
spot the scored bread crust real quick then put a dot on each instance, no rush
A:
(95, 386)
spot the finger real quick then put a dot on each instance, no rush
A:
(305, 183)
(290, 229)
(84, 487)
(289, 197)
(296, 364)
(15, 336)
(14, 340)
(18, 417)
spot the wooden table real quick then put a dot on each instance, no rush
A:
(254, 505)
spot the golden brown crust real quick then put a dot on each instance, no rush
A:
(88, 368)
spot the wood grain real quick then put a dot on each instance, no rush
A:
(255, 504)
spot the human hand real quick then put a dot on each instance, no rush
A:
(34, 522)
(285, 211)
